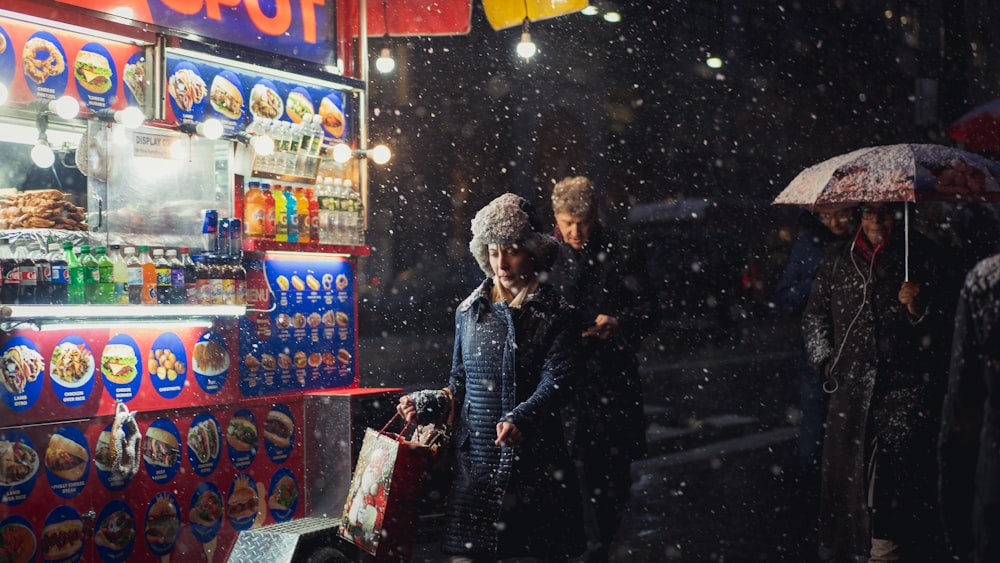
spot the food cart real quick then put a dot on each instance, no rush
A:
(158, 431)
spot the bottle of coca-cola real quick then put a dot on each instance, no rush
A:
(27, 272)
(8, 273)
(43, 279)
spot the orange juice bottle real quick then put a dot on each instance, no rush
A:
(253, 211)
(148, 276)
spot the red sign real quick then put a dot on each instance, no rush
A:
(416, 17)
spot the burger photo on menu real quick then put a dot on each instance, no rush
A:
(241, 434)
(163, 524)
(93, 72)
(278, 428)
(243, 500)
(65, 458)
(118, 363)
(62, 540)
(115, 531)
(207, 509)
(160, 447)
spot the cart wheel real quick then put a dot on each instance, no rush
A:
(324, 554)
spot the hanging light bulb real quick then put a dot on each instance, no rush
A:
(342, 152)
(41, 153)
(131, 117)
(65, 107)
(381, 154)
(526, 48)
(211, 128)
(385, 63)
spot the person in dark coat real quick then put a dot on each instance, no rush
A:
(881, 343)
(816, 231)
(603, 277)
(515, 492)
(969, 447)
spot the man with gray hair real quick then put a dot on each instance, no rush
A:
(603, 277)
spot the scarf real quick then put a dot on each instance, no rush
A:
(500, 293)
(866, 248)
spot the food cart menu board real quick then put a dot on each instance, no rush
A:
(306, 341)
(204, 474)
(49, 375)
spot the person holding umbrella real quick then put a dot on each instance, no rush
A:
(880, 338)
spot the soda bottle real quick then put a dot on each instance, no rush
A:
(291, 206)
(105, 276)
(26, 274)
(228, 281)
(75, 290)
(190, 276)
(280, 215)
(302, 215)
(253, 212)
(149, 296)
(120, 275)
(240, 283)
(11, 275)
(312, 205)
(269, 217)
(134, 276)
(91, 275)
(176, 277)
(164, 292)
(222, 247)
(215, 275)
(43, 287)
(58, 275)
(204, 280)
(235, 238)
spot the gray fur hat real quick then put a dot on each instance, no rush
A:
(575, 195)
(510, 219)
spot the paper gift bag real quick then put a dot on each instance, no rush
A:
(380, 514)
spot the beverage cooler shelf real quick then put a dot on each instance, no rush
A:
(17, 316)
(256, 245)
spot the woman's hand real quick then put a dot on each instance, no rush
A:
(407, 409)
(908, 296)
(508, 434)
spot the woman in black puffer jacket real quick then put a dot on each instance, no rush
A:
(515, 492)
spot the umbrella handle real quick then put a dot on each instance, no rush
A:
(906, 236)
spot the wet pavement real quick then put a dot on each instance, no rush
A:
(720, 481)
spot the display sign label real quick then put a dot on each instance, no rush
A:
(299, 29)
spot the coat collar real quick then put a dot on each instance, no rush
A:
(544, 299)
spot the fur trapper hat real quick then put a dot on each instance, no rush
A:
(575, 195)
(510, 219)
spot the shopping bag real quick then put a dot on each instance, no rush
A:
(380, 513)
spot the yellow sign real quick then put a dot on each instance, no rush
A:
(509, 13)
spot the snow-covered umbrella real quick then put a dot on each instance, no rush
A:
(893, 173)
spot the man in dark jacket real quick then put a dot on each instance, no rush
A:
(603, 277)
(970, 426)
(878, 340)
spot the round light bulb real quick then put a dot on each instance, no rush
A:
(131, 117)
(342, 152)
(65, 107)
(42, 155)
(211, 128)
(385, 63)
(381, 154)
(526, 48)
(612, 17)
(713, 62)
(590, 11)
(263, 145)
(3, 94)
